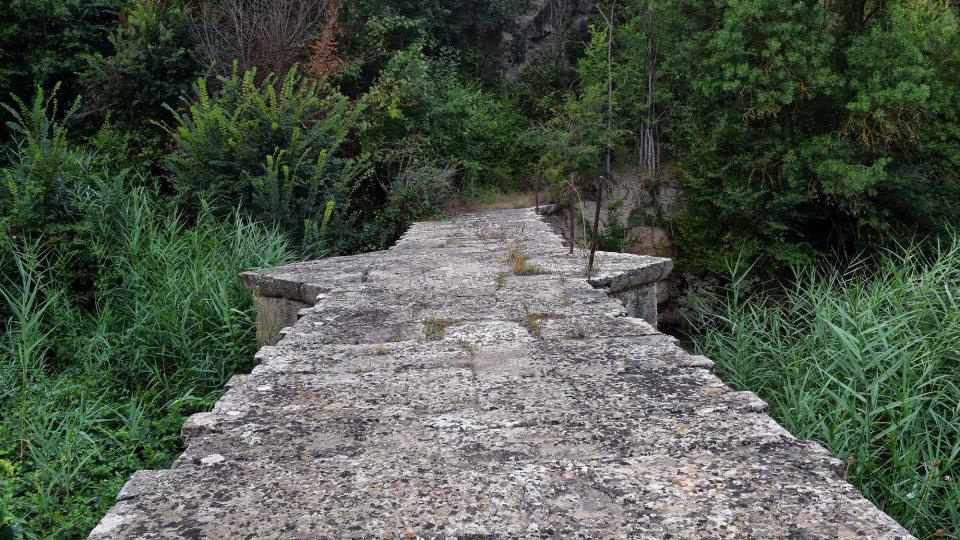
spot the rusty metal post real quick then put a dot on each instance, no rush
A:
(573, 228)
(596, 226)
(536, 195)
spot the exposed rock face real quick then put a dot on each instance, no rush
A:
(542, 30)
(433, 393)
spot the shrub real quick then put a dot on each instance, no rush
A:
(864, 361)
(416, 192)
(43, 170)
(46, 41)
(269, 148)
(41, 178)
(150, 66)
(422, 110)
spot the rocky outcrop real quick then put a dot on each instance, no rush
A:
(542, 30)
(439, 390)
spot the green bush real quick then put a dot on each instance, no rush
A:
(864, 361)
(44, 170)
(422, 110)
(149, 67)
(268, 148)
(43, 42)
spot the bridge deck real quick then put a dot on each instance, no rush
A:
(433, 393)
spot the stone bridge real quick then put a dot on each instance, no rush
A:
(471, 382)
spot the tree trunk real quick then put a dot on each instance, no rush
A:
(609, 86)
(649, 137)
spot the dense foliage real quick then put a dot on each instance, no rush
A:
(373, 28)
(90, 396)
(793, 129)
(862, 360)
(268, 148)
(43, 42)
(143, 135)
(801, 128)
(109, 339)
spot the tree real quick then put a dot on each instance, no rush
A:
(373, 30)
(44, 42)
(150, 67)
(269, 35)
(801, 128)
(649, 140)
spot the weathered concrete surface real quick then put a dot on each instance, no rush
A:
(431, 393)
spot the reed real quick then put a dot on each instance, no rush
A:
(89, 395)
(864, 360)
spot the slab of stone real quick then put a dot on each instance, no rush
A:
(431, 393)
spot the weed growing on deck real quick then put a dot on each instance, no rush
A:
(578, 332)
(490, 234)
(471, 350)
(435, 329)
(532, 322)
(520, 264)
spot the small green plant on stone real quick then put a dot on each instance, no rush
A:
(434, 329)
(501, 280)
(520, 264)
(532, 322)
(367, 368)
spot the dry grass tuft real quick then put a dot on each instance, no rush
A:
(496, 201)
(532, 322)
(434, 329)
(521, 265)
(490, 234)
(578, 332)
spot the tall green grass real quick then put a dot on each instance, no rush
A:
(89, 394)
(866, 361)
